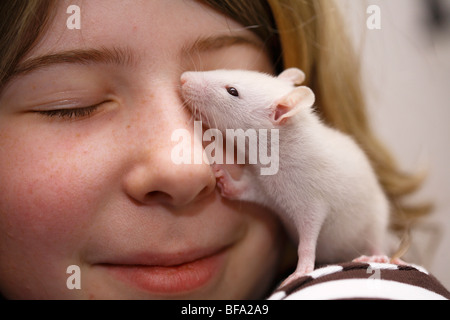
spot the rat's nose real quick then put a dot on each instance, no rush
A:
(184, 78)
(189, 76)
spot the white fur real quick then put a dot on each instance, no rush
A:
(325, 191)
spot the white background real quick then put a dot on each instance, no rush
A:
(407, 79)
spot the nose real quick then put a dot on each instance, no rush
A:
(154, 177)
(170, 184)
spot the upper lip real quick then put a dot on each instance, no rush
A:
(163, 259)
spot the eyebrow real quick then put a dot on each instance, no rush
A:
(219, 42)
(114, 55)
(125, 56)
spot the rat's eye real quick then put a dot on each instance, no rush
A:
(233, 91)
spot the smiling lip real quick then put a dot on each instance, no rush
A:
(169, 273)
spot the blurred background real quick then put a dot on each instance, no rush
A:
(407, 78)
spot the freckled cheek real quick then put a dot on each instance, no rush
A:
(48, 193)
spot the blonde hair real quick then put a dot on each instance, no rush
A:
(308, 34)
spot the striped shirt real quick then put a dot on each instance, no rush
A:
(356, 280)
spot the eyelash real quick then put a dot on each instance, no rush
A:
(71, 113)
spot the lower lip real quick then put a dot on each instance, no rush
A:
(171, 279)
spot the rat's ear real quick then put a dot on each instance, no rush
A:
(294, 75)
(294, 102)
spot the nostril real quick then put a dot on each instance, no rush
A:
(157, 196)
(183, 80)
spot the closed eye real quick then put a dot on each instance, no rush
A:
(72, 113)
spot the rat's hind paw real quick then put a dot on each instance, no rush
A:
(380, 259)
(300, 272)
(377, 258)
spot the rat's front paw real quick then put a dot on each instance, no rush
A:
(228, 187)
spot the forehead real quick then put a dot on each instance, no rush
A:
(149, 27)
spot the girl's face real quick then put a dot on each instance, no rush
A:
(86, 176)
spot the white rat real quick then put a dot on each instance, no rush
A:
(325, 190)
